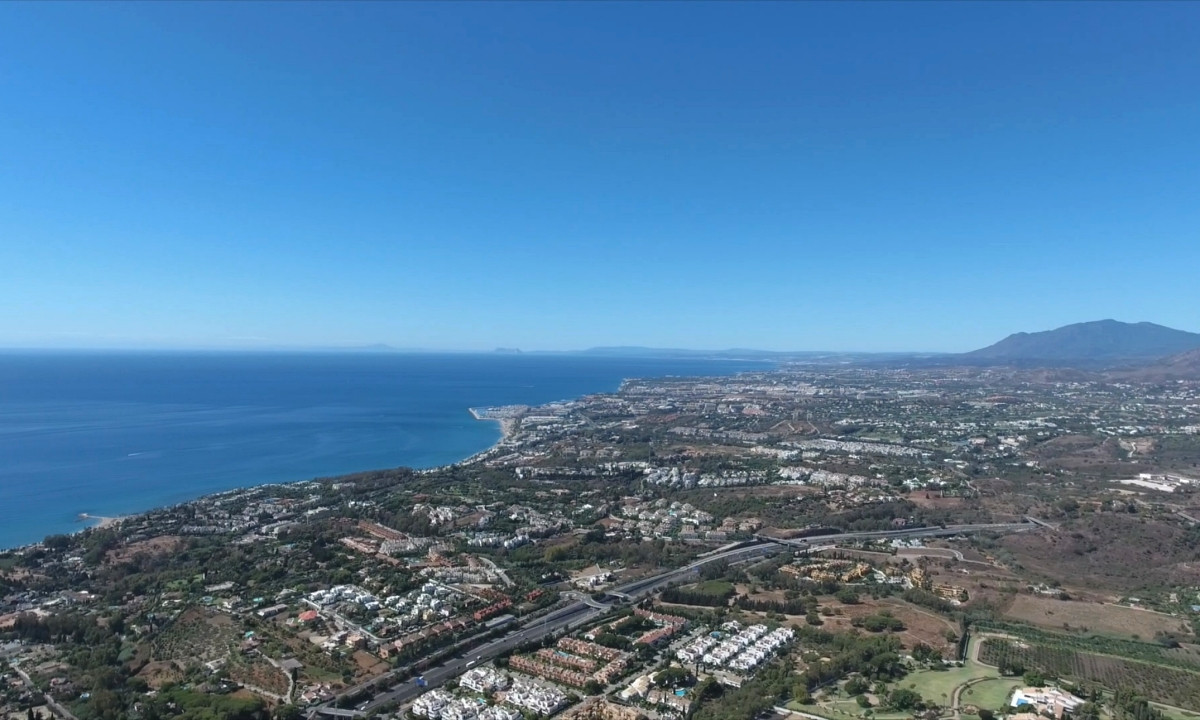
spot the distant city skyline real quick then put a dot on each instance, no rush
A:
(776, 176)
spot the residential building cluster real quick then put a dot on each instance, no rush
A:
(537, 698)
(444, 705)
(485, 679)
(574, 662)
(845, 571)
(734, 648)
(506, 541)
(667, 626)
(661, 519)
(550, 670)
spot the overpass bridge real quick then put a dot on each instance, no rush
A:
(319, 712)
(939, 531)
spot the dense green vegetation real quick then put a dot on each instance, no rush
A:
(774, 684)
(839, 655)
(879, 622)
(185, 705)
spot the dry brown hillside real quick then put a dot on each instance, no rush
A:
(1111, 551)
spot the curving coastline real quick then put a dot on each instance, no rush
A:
(212, 435)
(506, 417)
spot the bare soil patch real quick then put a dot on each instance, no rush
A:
(368, 664)
(161, 545)
(197, 636)
(158, 674)
(931, 499)
(920, 625)
(259, 673)
(1092, 617)
(768, 595)
(244, 694)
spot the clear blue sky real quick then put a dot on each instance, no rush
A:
(872, 176)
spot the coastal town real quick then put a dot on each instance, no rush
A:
(828, 542)
(633, 360)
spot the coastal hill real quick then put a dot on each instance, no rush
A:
(1183, 366)
(1099, 341)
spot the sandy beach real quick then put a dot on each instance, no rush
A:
(508, 426)
(100, 521)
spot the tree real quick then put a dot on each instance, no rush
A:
(905, 699)
(847, 596)
(800, 693)
(673, 676)
(925, 654)
(1086, 711)
(856, 686)
(288, 712)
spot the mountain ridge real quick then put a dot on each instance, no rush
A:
(1096, 341)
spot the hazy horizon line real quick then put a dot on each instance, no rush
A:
(379, 348)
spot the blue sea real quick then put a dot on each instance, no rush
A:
(118, 433)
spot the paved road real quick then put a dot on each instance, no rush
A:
(956, 696)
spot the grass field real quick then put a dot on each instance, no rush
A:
(1176, 713)
(938, 685)
(990, 694)
(714, 587)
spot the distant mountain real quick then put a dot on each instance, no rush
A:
(639, 351)
(1100, 341)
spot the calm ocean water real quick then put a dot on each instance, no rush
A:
(115, 433)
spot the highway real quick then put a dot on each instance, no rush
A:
(570, 616)
(584, 611)
(565, 618)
